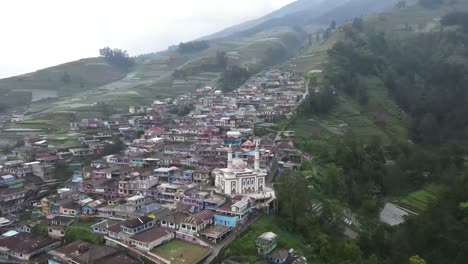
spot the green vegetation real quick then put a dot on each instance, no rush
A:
(181, 252)
(11, 98)
(40, 230)
(385, 119)
(193, 46)
(421, 200)
(83, 74)
(116, 57)
(244, 246)
(75, 233)
(233, 77)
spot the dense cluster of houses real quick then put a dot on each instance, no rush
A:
(197, 177)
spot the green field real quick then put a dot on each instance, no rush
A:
(83, 74)
(181, 252)
(421, 199)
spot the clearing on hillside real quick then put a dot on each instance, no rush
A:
(419, 200)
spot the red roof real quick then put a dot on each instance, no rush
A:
(154, 129)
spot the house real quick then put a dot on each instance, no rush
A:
(103, 226)
(69, 207)
(173, 220)
(131, 227)
(44, 171)
(233, 213)
(81, 152)
(280, 255)
(91, 208)
(23, 246)
(197, 222)
(165, 173)
(152, 238)
(266, 243)
(58, 225)
(12, 200)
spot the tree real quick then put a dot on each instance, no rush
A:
(117, 57)
(401, 4)
(416, 260)
(193, 46)
(358, 23)
(40, 230)
(221, 59)
(333, 25)
(66, 78)
(75, 233)
(292, 205)
(233, 77)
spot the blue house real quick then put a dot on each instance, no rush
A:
(185, 178)
(232, 141)
(226, 220)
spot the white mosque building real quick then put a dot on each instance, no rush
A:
(238, 179)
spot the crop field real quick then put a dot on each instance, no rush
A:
(421, 199)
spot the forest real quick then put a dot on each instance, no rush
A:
(425, 74)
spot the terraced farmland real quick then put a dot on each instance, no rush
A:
(420, 200)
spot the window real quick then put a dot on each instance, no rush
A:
(61, 232)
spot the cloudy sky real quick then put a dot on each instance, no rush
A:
(41, 33)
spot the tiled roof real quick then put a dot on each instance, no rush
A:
(199, 217)
(136, 221)
(152, 234)
(25, 243)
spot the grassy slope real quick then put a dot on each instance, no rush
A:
(84, 74)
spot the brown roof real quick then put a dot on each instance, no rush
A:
(25, 243)
(119, 257)
(152, 234)
(72, 248)
(108, 223)
(175, 218)
(136, 221)
(199, 217)
(114, 228)
(12, 191)
(279, 253)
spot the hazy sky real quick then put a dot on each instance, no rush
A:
(41, 33)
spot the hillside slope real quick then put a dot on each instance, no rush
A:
(66, 78)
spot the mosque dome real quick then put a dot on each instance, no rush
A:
(238, 164)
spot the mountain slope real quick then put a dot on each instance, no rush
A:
(66, 78)
(308, 12)
(294, 7)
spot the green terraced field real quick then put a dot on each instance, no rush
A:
(421, 199)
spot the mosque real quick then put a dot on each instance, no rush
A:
(238, 179)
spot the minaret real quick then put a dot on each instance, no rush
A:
(229, 163)
(257, 158)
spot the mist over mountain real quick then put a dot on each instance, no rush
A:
(318, 13)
